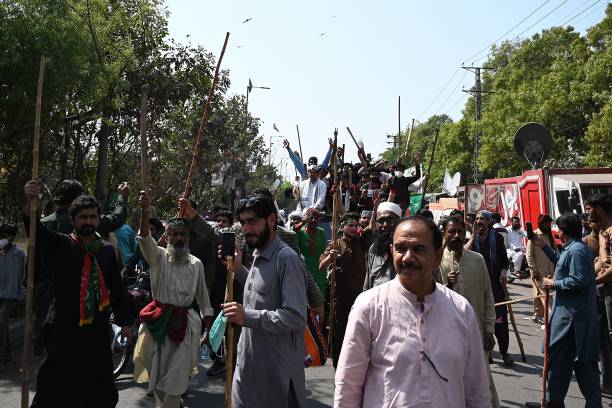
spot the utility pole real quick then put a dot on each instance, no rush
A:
(477, 92)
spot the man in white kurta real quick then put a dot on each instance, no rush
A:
(177, 278)
(411, 342)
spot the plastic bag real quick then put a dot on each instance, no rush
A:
(217, 331)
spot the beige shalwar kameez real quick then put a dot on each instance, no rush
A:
(168, 367)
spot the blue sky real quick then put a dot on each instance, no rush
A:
(370, 53)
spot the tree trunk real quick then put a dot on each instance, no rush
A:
(102, 170)
(64, 155)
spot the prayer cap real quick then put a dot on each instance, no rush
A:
(178, 222)
(486, 214)
(389, 206)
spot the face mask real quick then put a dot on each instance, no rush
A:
(399, 173)
(3, 243)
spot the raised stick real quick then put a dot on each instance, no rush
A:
(514, 328)
(27, 337)
(229, 340)
(300, 143)
(431, 160)
(405, 152)
(144, 144)
(198, 146)
(335, 209)
(546, 344)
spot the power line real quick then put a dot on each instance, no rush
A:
(451, 93)
(534, 24)
(581, 12)
(591, 13)
(440, 93)
(463, 95)
(507, 32)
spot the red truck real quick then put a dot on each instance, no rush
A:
(550, 191)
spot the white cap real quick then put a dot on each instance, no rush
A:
(389, 206)
(296, 214)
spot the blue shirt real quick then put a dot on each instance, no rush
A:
(12, 272)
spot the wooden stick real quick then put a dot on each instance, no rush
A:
(405, 152)
(27, 337)
(300, 143)
(514, 328)
(433, 153)
(517, 300)
(399, 122)
(229, 340)
(335, 209)
(198, 146)
(360, 152)
(144, 144)
(546, 345)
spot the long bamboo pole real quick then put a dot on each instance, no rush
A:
(198, 146)
(431, 160)
(514, 328)
(229, 340)
(144, 144)
(405, 152)
(299, 143)
(399, 123)
(27, 338)
(546, 345)
(335, 209)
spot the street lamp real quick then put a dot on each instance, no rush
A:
(250, 87)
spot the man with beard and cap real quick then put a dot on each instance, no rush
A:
(312, 191)
(12, 271)
(599, 208)
(411, 342)
(86, 281)
(490, 244)
(379, 264)
(169, 338)
(516, 252)
(466, 273)
(295, 218)
(270, 358)
(350, 273)
(539, 265)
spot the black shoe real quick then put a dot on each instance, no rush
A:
(533, 404)
(508, 361)
(217, 367)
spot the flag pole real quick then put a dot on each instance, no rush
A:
(27, 337)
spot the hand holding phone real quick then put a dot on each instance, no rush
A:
(228, 244)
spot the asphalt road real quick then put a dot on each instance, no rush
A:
(515, 385)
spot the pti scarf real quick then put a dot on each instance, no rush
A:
(93, 291)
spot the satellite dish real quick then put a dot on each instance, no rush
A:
(533, 141)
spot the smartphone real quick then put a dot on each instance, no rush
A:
(529, 231)
(228, 244)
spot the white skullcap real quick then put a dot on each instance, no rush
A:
(296, 214)
(389, 206)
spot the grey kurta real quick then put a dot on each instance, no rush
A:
(270, 360)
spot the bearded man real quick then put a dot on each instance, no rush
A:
(350, 273)
(169, 338)
(270, 358)
(311, 241)
(379, 264)
(85, 282)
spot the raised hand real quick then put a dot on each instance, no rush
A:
(285, 143)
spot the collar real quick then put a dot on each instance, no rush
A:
(269, 250)
(568, 244)
(411, 297)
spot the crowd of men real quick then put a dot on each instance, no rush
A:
(411, 303)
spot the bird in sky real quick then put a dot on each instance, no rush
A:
(247, 20)
(239, 46)
(322, 34)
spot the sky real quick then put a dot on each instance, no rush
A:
(333, 64)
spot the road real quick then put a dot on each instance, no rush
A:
(515, 385)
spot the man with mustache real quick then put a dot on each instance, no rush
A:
(350, 273)
(466, 273)
(539, 264)
(411, 341)
(270, 358)
(379, 264)
(169, 338)
(86, 281)
(490, 244)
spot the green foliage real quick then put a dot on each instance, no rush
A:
(101, 54)
(558, 78)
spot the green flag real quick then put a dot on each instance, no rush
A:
(415, 203)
